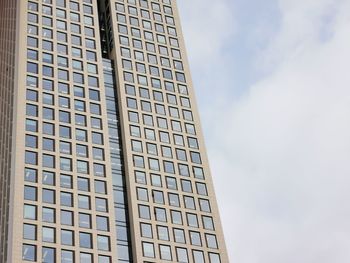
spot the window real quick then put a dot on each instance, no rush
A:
(67, 256)
(29, 252)
(144, 212)
(100, 187)
(103, 243)
(48, 178)
(66, 181)
(156, 180)
(48, 234)
(160, 214)
(48, 128)
(201, 189)
(181, 155)
(189, 202)
(211, 241)
(198, 256)
(83, 202)
(195, 238)
(140, 177)
(192, 220)
(182, 256)
(85, 240)
(30, 212)
(171, 183)
(138, 161)
(84, 220)
(31, 125)
(106, 259)
(158, 197)
(67, 237)
(81, 135)
(186, 186)
(198, 172)
(32, 42)
(174, 199)
(153, 164)
(30, 175)
(66, 199)
(214, 258)
(99, 169)
(85, 257)
(32, 67)
(208, 223)
(48, 144)
(176, 217)
(179, 236)
(178, 140)
(48, 161)
(30, 193)
(195, 157)
(169, 167)
(148, 249)
(102, 223)
(146, 230)
(48, 196)
(166, 151)
(163, 233)
(164, 137)
(67, 218)
(48, 215)
(204, 205)
(82, 167)
(64, 116)
(101, 205)
(97, 138)
(31, 141)
(32, 110)
(165, 252)
(98, 153)
(142, 194)
(29, 232)
(80, 120)
(94, 95)
(83, 184)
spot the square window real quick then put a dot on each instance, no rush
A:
(48, 178)
(67, 218)
(30, 212)
(48, 234)
(48, 196)
(66, 181)
(29, 231)
(29, 252)
(66, 199)
(85, 240)
(84, 220)
(48, 215)
(67, 237)
(30, 175)
(146, 230)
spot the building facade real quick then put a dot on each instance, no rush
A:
(102, 154)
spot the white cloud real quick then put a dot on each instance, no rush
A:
(208, 28)
(281, 154)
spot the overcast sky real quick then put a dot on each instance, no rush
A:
(272, 80)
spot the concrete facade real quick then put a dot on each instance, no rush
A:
(108, 159)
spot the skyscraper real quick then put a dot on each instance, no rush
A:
(102, 154)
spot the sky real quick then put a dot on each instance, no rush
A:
(272, 80)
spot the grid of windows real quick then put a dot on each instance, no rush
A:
(170, 180)
(65, 192)
(72, 114)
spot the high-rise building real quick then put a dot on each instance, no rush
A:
(102, 157)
